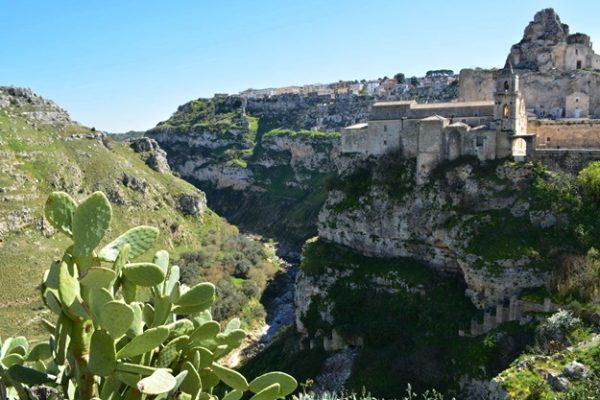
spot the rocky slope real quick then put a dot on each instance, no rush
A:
(42, 151)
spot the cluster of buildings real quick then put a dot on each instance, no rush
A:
(386, 88)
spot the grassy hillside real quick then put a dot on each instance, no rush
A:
(38, 158)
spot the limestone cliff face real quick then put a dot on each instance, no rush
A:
(541, 35)
(441, 224)
(262, 163)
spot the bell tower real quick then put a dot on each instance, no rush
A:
(509, 105)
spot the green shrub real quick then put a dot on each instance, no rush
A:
(105, 342)
(229, 256)
(589, 179)
(577, 277)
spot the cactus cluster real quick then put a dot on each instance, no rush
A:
(105, 342)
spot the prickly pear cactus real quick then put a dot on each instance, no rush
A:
(105, 342)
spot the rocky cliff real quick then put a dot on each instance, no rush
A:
(268, 179)
(402, 273)
(489, 223)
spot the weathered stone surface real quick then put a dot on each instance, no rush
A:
(192, 204)
(557, 383)
(576, 370)
(158, 162)
(154, 156)
(144, 144)
(422, 226)
(134, 183)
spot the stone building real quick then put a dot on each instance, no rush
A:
(433, 133)
(577, 105)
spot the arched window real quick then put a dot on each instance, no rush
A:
(506, 86)
(505, 112)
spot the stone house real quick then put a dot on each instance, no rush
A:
(577, 105)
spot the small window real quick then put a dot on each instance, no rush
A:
(547, 139)
(385, 142)
(578, 64)
(506, 86)
(385, 128)
(479, 141)
(577, 100)
(505, 111)
(576, 52)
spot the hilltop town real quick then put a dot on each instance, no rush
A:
(436, 84)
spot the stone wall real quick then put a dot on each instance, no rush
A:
(566, 134)
(476, 110)
(476, 85)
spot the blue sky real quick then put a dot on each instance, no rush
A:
(122, 65)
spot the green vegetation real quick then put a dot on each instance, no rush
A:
(239, 267)
(216, 114)
(408, 317)
(525, 379)
(589, 179)
(392, 172)
(499, 235)
(106, 343)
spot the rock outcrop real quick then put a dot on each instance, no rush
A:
(296, 111)
(32, 106)
(152, 154)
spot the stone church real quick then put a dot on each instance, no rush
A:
(437, 132)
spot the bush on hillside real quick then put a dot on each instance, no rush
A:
(589, 179)
(239, 267)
